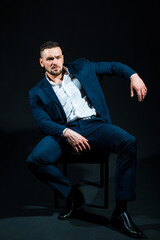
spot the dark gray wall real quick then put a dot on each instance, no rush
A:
(105, 30)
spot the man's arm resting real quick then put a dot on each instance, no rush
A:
(113, 68)
(122, 70)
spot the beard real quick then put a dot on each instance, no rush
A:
(55, 72)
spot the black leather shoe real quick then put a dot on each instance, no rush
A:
(124, 224)
(74, 200)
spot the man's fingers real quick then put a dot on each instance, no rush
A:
(144, 91)
(85, 145)
(88, 145)
(77, 141)
(82, 145)
(76, 149)
(141, 94)
(132, 92)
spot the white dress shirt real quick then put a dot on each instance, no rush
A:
(72, 97)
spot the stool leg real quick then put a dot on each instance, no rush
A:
(106, 183)
(101, 175)
(64, 169)
(56, 202)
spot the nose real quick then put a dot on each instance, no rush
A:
(54, 61)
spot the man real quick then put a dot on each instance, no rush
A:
(69, 107)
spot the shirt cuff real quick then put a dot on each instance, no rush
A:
(64, 131)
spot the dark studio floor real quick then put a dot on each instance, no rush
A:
(27, 206)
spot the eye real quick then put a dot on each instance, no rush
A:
(50, 59)
(59, 57)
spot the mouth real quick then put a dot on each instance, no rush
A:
(55, 70)
(55, 67)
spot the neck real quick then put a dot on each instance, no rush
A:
(55, 79)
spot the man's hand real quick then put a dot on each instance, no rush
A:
(77, 141)
(138, 85)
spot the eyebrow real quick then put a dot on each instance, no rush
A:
(51, 57)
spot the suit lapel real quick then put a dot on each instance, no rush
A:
(86, 79)
(51, 95)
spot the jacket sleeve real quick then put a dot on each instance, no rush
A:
(112, 68)
(42, 118)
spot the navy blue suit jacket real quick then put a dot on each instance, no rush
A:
(47, 109)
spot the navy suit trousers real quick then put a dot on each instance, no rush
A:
(42, 160)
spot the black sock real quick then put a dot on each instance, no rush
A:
(121, 206)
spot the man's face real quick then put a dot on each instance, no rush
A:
(52, 60)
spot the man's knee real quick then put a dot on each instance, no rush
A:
(37, 157)
(132, 140)
(36, 161)
(47, 151)
(130, 143)
(32, 161)
(127, 142)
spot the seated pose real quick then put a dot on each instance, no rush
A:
(69, 107)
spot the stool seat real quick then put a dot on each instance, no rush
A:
(90, 157)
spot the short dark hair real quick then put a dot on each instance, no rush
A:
(48, 44)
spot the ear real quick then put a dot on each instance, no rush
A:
(41, 62)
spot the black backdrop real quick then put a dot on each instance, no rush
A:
(123, 31)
